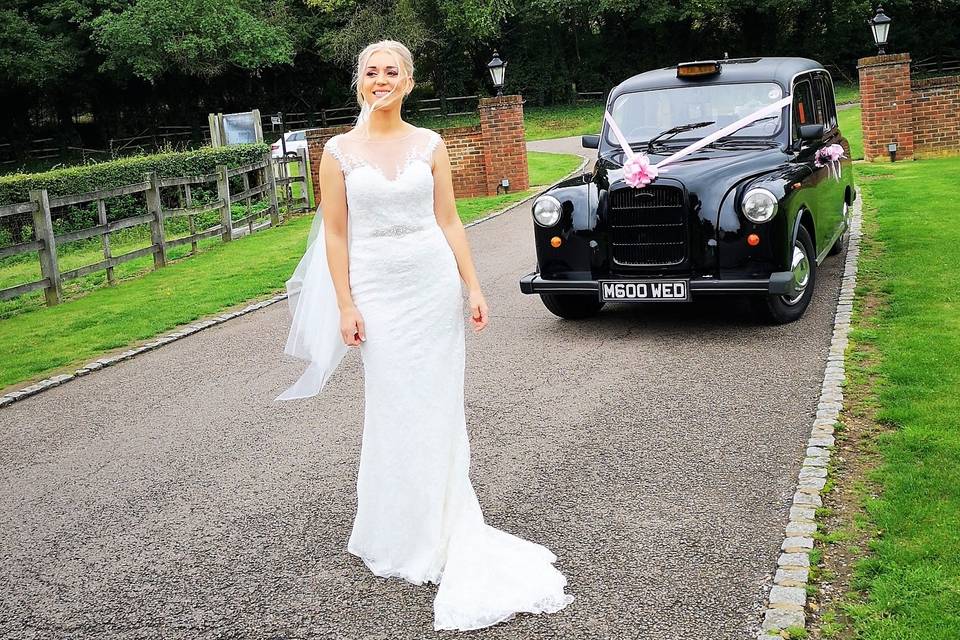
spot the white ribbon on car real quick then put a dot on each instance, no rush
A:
(646, 175)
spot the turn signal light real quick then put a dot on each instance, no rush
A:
(753, 239)
(555, 242)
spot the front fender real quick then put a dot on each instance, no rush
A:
(576, 228)
(736, 257)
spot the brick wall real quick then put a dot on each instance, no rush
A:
(501, 122)
(936, 116)
(922, 117)
(316, 138)
(480, 156)
(886, 109)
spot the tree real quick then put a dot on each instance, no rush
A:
(201, 38)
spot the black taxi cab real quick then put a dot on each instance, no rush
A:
(752, 210)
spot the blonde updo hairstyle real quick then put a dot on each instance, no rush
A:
(404, 62)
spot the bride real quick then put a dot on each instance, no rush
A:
(382, 273)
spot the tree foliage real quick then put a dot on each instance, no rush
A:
(132, 64)
(196, 37)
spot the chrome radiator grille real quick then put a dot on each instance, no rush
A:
(648, 225)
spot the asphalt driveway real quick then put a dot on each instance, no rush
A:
(654, 449)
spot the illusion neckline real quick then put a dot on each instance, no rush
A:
(403, 137)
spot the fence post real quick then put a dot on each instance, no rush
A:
(188, 202)
(156, 224)
(223, 192)
(272, 181)
(105, 240)
(305, 172)
(43, 231)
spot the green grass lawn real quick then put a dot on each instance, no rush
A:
(37, 341)
(26, 267)
(849, 120)
(845, 93)
(909, 585)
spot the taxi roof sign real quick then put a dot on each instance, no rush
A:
(698, 69)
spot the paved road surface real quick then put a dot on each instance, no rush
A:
(654, 449)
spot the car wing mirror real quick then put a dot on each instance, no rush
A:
(809, 132)
(590, 142)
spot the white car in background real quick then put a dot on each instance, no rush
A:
(295, 140)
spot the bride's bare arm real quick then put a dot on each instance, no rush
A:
(333, 194)
(445, 209)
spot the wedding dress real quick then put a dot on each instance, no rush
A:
(418, 517)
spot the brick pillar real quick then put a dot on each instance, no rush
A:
(316, 139)
(504, 149)
(886, 106)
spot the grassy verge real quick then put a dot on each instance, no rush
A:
(849, 120)
(26, 267)
(903, 414)
(846, 93)
(43, 340)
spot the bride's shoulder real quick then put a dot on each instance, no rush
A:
(331, 143)
(431, 137)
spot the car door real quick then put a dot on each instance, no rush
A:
(834, 189)
(813, 187)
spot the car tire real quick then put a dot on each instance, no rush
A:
(572, 306)
(781, 309)
(842, 240)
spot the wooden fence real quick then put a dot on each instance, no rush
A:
(273, 182)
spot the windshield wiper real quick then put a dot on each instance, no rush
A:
(749, 125)
(675, 130)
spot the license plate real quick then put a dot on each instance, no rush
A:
(645, 291)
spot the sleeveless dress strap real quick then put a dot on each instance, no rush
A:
(333, 146)
(433, 141)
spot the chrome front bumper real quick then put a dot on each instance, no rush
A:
(778, 283)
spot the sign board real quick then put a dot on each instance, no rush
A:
(275, 121)
(235, 128)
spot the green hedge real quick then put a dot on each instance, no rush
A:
(117, 173)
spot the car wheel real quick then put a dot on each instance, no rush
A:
(572, 306)
(783, 308)
(842, 240)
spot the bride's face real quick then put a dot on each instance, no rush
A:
(381, 80)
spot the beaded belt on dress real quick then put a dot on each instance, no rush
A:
(395, 230)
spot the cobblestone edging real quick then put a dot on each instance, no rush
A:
(788, 595)
(186, 330)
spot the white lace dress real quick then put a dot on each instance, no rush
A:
(418, 517)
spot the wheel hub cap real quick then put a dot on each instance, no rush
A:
(800, 267)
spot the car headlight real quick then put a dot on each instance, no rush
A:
(546, 211)
(759, 205)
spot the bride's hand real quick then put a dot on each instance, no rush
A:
(478, 310)
(351, 327)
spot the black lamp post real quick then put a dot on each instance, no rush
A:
(497, 67)
(880, 25)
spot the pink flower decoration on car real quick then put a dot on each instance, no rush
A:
(831, 153)
(638, 172)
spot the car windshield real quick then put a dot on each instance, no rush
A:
(645, 114)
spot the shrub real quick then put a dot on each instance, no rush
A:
(123, 171)
(116, 173)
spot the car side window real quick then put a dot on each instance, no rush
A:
(829, 104)
(819, 107)
(804, 109)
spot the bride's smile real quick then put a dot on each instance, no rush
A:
(381, 80)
